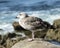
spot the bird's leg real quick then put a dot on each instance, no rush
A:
(31, 39)
(32, 35)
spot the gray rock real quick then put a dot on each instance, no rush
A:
(37, 43)
(54, 34)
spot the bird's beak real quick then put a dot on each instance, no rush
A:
(17, 16)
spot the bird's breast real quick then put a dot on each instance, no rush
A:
(24, 25)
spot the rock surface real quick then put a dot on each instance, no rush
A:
(56, 23)
(37, 43)
(17, 27)
(54, 34)
(8, 40)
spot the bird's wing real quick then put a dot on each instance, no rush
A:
(33, 21)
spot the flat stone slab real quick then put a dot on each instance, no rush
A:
(37, 43)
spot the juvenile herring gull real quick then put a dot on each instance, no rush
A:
(30, 23)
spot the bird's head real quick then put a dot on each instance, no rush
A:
(22, 15)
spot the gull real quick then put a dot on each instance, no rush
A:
(31, 23)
